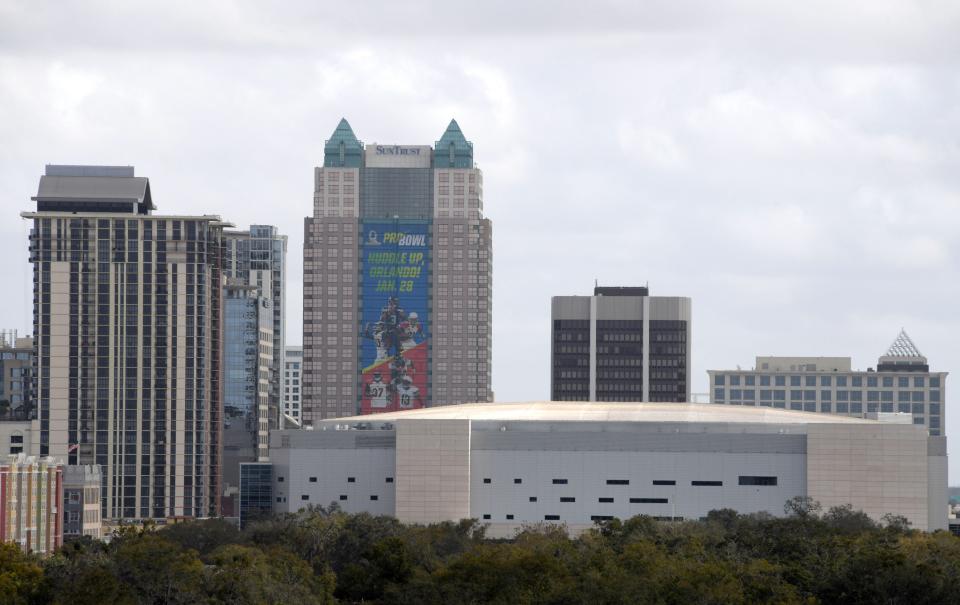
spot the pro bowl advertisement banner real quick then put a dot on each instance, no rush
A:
(393, 350)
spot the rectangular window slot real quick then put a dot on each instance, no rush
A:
(648, 500)
(757, 480)
(279, 479)
(606, 500)
(343, 496)
(664, 482)
(533, 498)
(559, 481)
(601, 518)
(551, 517)
(518, 481)
(313, 479)
(374, 497)
(618, 482)
(305, 497)
(389, 479)
(509, 517)
(568, 499)
(351, 479)
(486, 516)
(486, 480)
(707, 483)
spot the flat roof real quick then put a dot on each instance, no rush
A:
(585, 411)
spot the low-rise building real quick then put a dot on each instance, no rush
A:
(902, 382)
(31, 490)
(81, 502)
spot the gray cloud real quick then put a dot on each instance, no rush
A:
(790, 167)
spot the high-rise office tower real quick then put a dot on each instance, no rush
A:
(248, 410)
(127, 325)
(621, 344)
(396, 283)
(258, 257)
(902, 383)
(292, 384)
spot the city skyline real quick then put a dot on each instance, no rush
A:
(804, 199)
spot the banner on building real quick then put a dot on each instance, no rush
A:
(395, 321)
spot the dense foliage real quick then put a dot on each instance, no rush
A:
(327, 556)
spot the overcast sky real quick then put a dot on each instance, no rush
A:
(792, 166)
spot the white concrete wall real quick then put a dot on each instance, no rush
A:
(587, 473)
(332, 469)
(937, 497)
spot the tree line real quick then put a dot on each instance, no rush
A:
(322, 555)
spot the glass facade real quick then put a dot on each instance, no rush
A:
(571, 360)
(406, 193)
(256, 491)
(257, 258)
(620, 360)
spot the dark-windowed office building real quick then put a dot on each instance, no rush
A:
(621, 344)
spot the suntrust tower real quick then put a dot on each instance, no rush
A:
(397, 271)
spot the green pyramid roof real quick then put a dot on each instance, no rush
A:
(343, 149)
(453, 150)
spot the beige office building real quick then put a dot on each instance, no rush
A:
(901, 383)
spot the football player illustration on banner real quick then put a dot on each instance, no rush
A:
(394, 323)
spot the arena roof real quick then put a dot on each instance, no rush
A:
(566, 411)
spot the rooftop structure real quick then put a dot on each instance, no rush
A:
(93, 189)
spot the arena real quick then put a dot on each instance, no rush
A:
(575, 463)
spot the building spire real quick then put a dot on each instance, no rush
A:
(453, 150)
(903, 346)
(343, 149)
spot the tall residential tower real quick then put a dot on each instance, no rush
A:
(397, 278)
(127, 324)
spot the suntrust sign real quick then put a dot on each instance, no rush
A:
(397, 150)
(397, 156)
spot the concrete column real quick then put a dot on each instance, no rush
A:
(646, 348)
(593, 348)
(432, 470)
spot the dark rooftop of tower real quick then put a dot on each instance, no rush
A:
(621, 291)
(67, 188)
